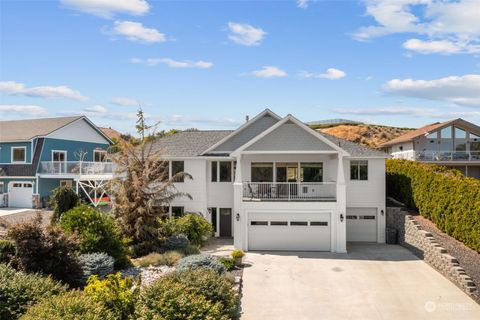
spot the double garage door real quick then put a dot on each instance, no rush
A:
(289, 231)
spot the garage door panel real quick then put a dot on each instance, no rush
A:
(289, 231)
(20, 195)
(362, 224)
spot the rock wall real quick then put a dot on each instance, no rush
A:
(423, 245)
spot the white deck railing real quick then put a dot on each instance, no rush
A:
(438, 155)
(289, 191)
(76, 168)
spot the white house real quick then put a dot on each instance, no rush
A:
(454, 144)
(276, 184)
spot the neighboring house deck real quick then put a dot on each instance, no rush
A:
(454, 143)
(38, 155)
(276, 184)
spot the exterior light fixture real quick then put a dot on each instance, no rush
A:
(382, 212)
(341, 217)
(237, 216)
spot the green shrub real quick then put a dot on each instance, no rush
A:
(99, 264)
(228, 263)
(237, 254)
(169, 258)
(177, 242)
(19, 291)
(200, 261)
(191, 249)
(444, 196)
(48, 251)
(62, 200)
(97, 232)
(169, 299)
(7, 251)
(72, 305)
(115, 293)
(195, 227)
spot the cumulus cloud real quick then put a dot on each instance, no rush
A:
(96, 109)
(460, 90)
(448, 26)
(269, 72)
(182, 64)
(16, 88)
(125, 102)
(245, 34)
(31, 111)
(135, 31)
(303, 4)
(331, 74)
(108, 8)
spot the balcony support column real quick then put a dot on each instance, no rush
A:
(341, 226)
(239, 225)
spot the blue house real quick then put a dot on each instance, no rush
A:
(39, 155)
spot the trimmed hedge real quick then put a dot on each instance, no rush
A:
(442, 195)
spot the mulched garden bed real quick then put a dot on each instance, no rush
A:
(468, 259)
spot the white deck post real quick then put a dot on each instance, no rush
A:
(238, 229)
(341, 229)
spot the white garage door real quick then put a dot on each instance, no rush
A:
(362, 224)
(289, 231)
(20, 194)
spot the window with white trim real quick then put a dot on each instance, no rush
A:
(178, 167)
(222, 171)
(359, 170)
(99, 155)
(19, 154)
(66, 183)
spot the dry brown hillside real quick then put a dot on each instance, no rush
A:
(368, 135)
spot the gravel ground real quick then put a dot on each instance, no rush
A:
(467, 258)
(148, 274)
(24, 216)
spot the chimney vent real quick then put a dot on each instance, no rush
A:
(247, 118)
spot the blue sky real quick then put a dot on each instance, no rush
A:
(207, 64)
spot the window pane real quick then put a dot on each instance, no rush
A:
(446, 133)
(279, 223)
(363, 170)
(262, 172)
(311, 172)
(432, 135)
(460, 133)
(298, 223)
(19, 154)
(177, 167)
(214, 171)
(354, 170)
(99, 156)
(177, 211)
(225, 171)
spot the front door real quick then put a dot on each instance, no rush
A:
(287, 172)
(225, 222)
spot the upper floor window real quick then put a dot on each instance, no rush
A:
(460, 133)
(446, 133)
(359, 170)
(177, 167)
(99, 155)
(19, 154)
(311, 172)
(222, 171)
(262, 171)
(432, 135)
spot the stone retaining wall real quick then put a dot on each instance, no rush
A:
(423, 245)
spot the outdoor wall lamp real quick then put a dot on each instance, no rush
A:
(341, 217)
(237, 216)
(381, 211)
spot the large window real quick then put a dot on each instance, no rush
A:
(262, 172)
(214, 171)
(222, 171)
(99, 155)
(19, 154)
(59, 156)
(359, 170)
(311, 172)
(177, 167)
(178, 211)
(446, 133)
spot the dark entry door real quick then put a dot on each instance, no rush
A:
(225, 222)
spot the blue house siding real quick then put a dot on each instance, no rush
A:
(71, 147)
(8, 180)
(6, 151)
(46, 186)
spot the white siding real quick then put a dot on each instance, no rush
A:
(79, 130)
(406, 146)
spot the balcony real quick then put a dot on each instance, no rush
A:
(289, 191)
(76, 168)
(438, 155)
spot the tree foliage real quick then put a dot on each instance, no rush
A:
(62, 200)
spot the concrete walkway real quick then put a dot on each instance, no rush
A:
(370, 282)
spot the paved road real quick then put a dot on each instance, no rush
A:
(370, 282)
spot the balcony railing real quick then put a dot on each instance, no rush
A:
(289, 191)
(76, 168)
(438, 155)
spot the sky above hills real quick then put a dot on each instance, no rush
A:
(207, 64)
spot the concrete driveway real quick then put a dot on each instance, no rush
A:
(372, 281)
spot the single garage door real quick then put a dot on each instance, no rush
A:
(20, 194)
(289, 231)
(362, 224)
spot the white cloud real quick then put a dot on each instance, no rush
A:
(269, 72)
(460, 90)
(16, 88)
(387, 111)
(302, 4)
(125, 102)
(108, 8)
(184, 121)
(245, 34)
(135, 31)
(448, 26)
(331, 74)
(32, 111)
(96, 109)
(200, 64)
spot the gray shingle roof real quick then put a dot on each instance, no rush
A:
(194, 143)
(23, 130)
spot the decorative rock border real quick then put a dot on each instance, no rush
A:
(423, 245)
